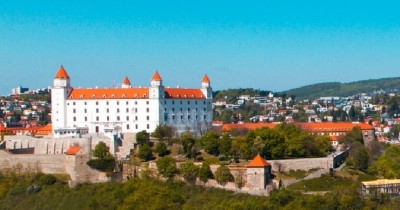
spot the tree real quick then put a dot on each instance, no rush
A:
(210, 142)
(101, 151)
(164, 132)
(161, 149)
(360, 157)
(388, 165)
(166, 167)
(225, 145)
(189, 171)
(223, 174)
(187, 142)
(205, 172)
(145, 152)
(142, 138)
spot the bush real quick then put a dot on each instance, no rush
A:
(106, 165)
(48, 179)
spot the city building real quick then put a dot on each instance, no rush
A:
(128, 109)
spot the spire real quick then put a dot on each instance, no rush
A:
(258, 162)
(126, 81)
(61, 73)
(205, 79)
(156, 77)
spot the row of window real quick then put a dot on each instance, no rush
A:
(181, 117)
(147, 102)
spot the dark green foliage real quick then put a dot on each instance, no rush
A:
(188, 142)
(145, 153)
(164, 132)
(142, 138)
(166, 167)
(388, 165)
(106, 165)
(161, 149)
(210, 142)
(205, 172)
(223, 174)
(48, 179)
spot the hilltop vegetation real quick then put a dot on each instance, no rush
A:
(345, 89)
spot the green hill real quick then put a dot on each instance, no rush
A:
(346, 89)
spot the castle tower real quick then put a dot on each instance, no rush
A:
(206, 87)
(258, 173)
(156, 89)
(59, 93)
(126, 83)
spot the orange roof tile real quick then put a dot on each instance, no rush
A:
(183, 93)
(126, 81)
(205, 79)
(332, 126)
(248, 126)
(109, 93)
(47, 127)
(61, 73)
(258, 161)
(73, 150)
(156, 77)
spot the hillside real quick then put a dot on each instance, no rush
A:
(345, 89)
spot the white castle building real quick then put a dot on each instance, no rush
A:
(128, 109)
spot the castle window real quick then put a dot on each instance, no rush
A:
(85, 119)
(117, 102)
(148, 117)
(147, 109)
(188, 117)
(181, 101)
(188, 102)
(195, 102)
(188, 109)
(85, 110)
(135, 102)
(117, 110)
(112, 96)
(118, 119)
(127, 110)
(104, 96)
(108, 118)
(85, 103)
(74, 119)
(136, 126)
(73, 103)
(107, 103)
(127, 118)
(204, 102)
(74, 111)
(147, 102)
(67, 104)
(127, 126)
(97, 118)
(108, 110)
(136, 117)
(127, 102)
(144, 95)
(97, 103)
(148, 126)
(173, 109)
(173, 102)
(97, 110)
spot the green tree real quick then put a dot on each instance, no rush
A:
(360, 157)
(205, 172)
(142, 138)
(161, 149)
(210, 142)
(223, 174)
(189, 171)
(388, 165)
(101, 151)
(225, 145)
(188, 142)
(164, 132)
(166, 167)
(355, 135)
(145, 152)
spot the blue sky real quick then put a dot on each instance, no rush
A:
(270, 45)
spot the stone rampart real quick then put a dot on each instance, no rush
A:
(301, 164)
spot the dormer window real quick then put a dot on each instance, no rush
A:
(184, 96)
(104, 96)
(144, 95)
(123, 95)
(81, 96)
(93, 96)
(112, 96)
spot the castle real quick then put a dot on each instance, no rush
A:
(127, 109)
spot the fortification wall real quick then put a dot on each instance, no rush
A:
(26, 162)
(301, 164)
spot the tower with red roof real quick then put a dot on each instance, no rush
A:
(258, 173)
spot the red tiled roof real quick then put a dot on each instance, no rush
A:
(248, 126)
(109, 93)
(61, 73)
(156, 77)
(72, 150)
(332, 126)
(205, 79)
(183, 93)
(258, 161)
(126, 81)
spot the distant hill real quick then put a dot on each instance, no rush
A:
(388, 85)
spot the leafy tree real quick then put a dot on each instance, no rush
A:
(223, 174)
(145, 152)
(161, 149)
(188, 142)
(225, 145)
(163, 132)
(359, 155)
(101, 151)
(388, 165)
(142, 138)
(166, 167)
(189, 171)
(205, 172)
(210, 142)
(355, 135)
